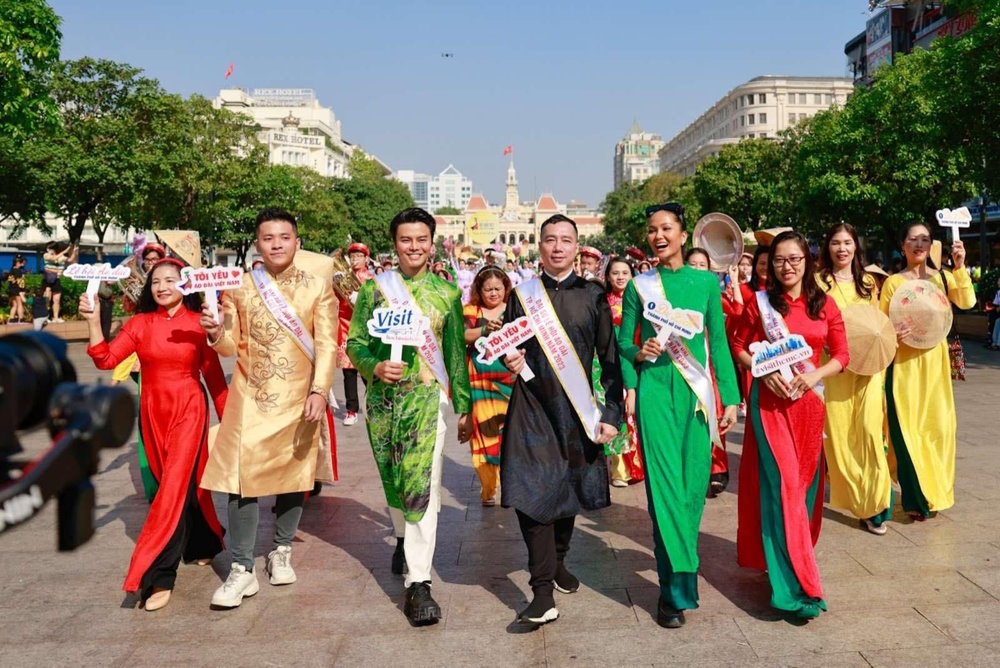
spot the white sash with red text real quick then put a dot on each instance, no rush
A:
(775, 329)
(559, 350)
(397, 294)
(650, 289)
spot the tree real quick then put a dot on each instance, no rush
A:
(448, 211)
(29, 55)
(324, 220)
(371, 201)
(253, 187)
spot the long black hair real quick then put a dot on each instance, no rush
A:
(905, 232)
(146, 302)
(862, 284)
(754, 282)
(815, 297)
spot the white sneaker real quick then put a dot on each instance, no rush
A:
(279, 566)
(619, 483)
(351, 419)
(239, 584)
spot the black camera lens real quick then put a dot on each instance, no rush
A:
(32, 364)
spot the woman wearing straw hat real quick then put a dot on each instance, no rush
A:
(919, 395)
(853, 442)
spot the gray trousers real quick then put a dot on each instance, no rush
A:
(244, 517)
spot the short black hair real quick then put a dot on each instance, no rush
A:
(414, 214)
(670, 207)
(274, 213)
(558, 218)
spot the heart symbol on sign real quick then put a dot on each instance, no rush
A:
(523, 323)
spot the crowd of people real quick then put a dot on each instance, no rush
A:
(638, 369)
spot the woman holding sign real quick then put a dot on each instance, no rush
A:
(491, 382)
(919, 395)
(854, 446)
(781, 477)
(678, 421)
(173, 414)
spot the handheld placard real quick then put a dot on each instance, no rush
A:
(94, 274)
(669, 321)
(960, 217)
(505, 341)
(770, 356)
(210, 280)
(398, 327)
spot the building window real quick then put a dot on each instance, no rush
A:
(743, 121)
(829, 99)
(763, 135)
(750, 119)
(791, 119)
(802, 98)
(763, 117)
(817, 98)
(762, 98)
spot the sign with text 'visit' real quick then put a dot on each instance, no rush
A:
(210, 280)
(398, 327)
(505, 341)
(94, 274)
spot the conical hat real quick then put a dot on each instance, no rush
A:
(875, 269)
(185, 244)
(766, 236)
(316, 264)
(925, 309)
(871, 339)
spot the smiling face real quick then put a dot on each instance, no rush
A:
(698, 261)
(789, 260)
(842, 250)
(164, 284)
(665, 236)
(413, 247)
(917, 245)
(619, 274)
(277, 242)
(558, 247)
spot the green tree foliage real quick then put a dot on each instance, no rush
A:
(324, 220)
(372, 201)
(29, 55)
(625, 208)
(448, 211)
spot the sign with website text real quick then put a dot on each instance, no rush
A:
(94, 274)
(398, 327)
(769, 356)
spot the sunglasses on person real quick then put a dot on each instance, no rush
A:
(669, 207)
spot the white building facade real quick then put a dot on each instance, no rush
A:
(760, 108)
(637, 156)
(449, 188)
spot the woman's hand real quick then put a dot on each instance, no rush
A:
(902, 331)
(86, 309)
(464, 427)
(494, 325)
(958, 253)
(778, 385)
(804, 382)
(728, 420)
(630, 403)
(734, 275)
(388, 372)
(651, 349)
(208, 323)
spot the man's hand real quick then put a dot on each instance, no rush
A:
(515, 361)
(388, 372)
(464, 427)
(605, 433)
(208, 323)
(315, 407)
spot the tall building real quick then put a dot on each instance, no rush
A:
(449, 188)
(294, 127)
(762, 107)
(637, 155)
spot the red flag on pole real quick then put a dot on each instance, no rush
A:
(229, 70)
(508, 150)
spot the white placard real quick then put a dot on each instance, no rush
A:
(960, 217)
(673, 321)
(398, 327)
(768, 357)
(210, 280)
(94, 274)
(505, 341)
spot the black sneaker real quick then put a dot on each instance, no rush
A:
(420, 608)
(566, 582)
(398, 558)
(668, 617)
(541, 610)
(717, 484)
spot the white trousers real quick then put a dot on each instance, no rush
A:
(419, 538)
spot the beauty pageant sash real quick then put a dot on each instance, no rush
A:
(650, 289)
(559, 350)
(395, 291)
(775, 329)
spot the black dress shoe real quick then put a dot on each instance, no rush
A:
(668, 617)
(420, 608)
(566, 582)
(541, 610)
(398, 558)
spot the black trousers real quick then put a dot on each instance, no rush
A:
(107, 308)
(547, 547)
(351, 390)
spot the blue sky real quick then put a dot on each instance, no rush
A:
(560, 81)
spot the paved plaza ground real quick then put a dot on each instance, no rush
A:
(923, 594)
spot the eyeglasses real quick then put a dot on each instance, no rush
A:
(669, 207)
(794, 261)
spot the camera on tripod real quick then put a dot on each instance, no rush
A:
(38, 386)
